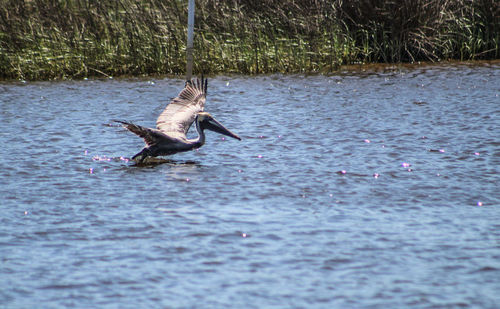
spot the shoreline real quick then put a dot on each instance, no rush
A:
(344, 69)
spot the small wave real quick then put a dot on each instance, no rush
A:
(110, 159)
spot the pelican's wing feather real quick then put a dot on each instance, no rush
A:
(150, 136)
(178, 116)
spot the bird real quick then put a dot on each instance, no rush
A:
(174, 122)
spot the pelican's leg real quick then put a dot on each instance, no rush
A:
(143, 154)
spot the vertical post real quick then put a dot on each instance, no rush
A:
(190, 34)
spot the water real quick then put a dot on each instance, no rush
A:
(363, 189)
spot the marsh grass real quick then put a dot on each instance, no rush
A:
(44, 39)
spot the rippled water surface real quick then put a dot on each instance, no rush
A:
(368, 189)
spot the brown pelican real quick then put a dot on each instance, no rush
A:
(172, 125)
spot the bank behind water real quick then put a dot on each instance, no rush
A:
(77, 38)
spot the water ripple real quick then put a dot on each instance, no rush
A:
(361, 189)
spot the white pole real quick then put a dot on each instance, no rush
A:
(190, 34)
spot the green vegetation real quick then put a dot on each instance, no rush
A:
(44, 39)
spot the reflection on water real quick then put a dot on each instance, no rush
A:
(375, 188)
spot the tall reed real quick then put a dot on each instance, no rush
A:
(44, 39)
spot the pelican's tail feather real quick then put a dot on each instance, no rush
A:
(136, 129)
(149, 135)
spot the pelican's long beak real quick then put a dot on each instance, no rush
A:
(214, 125)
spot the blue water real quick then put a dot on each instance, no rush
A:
(375, 188)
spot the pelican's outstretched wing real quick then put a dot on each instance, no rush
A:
(178, 116)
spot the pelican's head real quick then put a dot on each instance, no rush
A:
(206, 121)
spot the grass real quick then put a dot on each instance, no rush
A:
(47, 39)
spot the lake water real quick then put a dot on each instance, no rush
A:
(374, 188)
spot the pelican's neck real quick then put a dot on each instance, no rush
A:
(200, 141)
